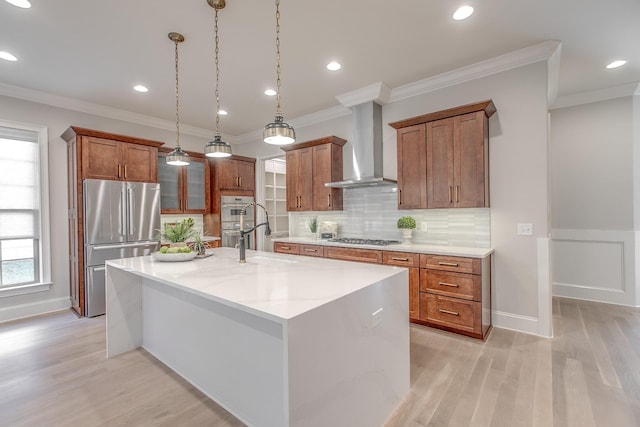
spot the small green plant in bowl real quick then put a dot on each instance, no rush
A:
(178, 232)
(406, 222)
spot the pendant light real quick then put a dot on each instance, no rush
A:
(177, 157)
(217, 147)
(278, 132)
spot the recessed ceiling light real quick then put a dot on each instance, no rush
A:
(7, 56)
(463, 12)
(270, 92)
(616, 64)
(141, 88)
(20, 3)
(333, 66)
(222, 112)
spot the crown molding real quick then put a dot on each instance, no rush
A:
(302, 121)
(529, 55)
(614, 92)
(377, 92)
(99, 110)
(553, 75)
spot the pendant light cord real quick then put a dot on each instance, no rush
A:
(177, 100)
(278, 110)
(217, 39)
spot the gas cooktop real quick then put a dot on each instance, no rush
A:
(354, 241)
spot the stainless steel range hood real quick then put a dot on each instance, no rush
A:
(367, 149)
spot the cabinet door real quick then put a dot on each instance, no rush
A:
(194, 186)
(469, 169)
(412, 167)
(440, 191)
(170, 186)
(322, 165)
(246, 175)
(414, 293)
(101, 158)
(140, 163)
(227, 174)
(300, 180)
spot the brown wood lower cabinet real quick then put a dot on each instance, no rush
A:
(446, 292)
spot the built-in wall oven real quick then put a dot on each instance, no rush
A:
(230, 213)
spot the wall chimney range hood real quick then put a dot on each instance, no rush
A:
(367, 149)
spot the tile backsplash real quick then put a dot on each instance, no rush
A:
(373, 213)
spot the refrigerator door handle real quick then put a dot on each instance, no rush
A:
(130, 211)
(126, 245)
(123, 210)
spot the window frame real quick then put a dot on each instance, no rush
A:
(42, 254)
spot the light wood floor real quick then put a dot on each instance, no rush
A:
(53, 373)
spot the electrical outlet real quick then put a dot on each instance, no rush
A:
(525, 229)
(376, 317)
(423, 226)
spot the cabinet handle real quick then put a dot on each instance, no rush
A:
(286, 248)
(449, 264)
(399, 196)
(239, 181)
(399, 259)
(311, 250)
(453, 285)
(119, 170)
(457, 193)
(125, 171)
(450, 197)
(453, 313)
(329, 200)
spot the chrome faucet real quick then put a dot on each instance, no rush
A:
(267, 230)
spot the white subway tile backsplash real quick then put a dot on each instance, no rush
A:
(373, 213)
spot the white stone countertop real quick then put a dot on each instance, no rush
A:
(403, 247)
(271, 285)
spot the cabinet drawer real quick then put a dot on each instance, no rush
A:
(286, 248)
(353, 254)
(311, 250)
(451, 263)
(457, 285)
(451, 312)
(403, 259)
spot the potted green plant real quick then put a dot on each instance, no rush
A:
(198, 245)
(406, 224)
(313, 225)
(177, 234)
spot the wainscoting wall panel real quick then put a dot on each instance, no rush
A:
(595, 265)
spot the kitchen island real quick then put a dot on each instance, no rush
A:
(278, 341)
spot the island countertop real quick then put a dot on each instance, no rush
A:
(271, 285)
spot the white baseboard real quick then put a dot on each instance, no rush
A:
(33, 309)
(517, 322)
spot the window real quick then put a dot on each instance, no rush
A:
(24, 231)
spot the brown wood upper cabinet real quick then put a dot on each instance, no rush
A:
(310, 165)
(111, 159)
(235, 173)
(443, 158)
(183, 189)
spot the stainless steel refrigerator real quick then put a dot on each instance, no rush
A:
(120, 221)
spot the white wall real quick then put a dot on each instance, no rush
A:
(592, 170)
(57, 120)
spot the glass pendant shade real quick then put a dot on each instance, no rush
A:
(278, 132)
(217, 148)
(178, 157)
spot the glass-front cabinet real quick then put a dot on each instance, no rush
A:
(183, 189)
(276, 196)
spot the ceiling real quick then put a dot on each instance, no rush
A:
(97, 51)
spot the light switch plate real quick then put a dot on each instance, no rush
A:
(423, 226)
(525, 229)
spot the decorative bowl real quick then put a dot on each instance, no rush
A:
(159, 256)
